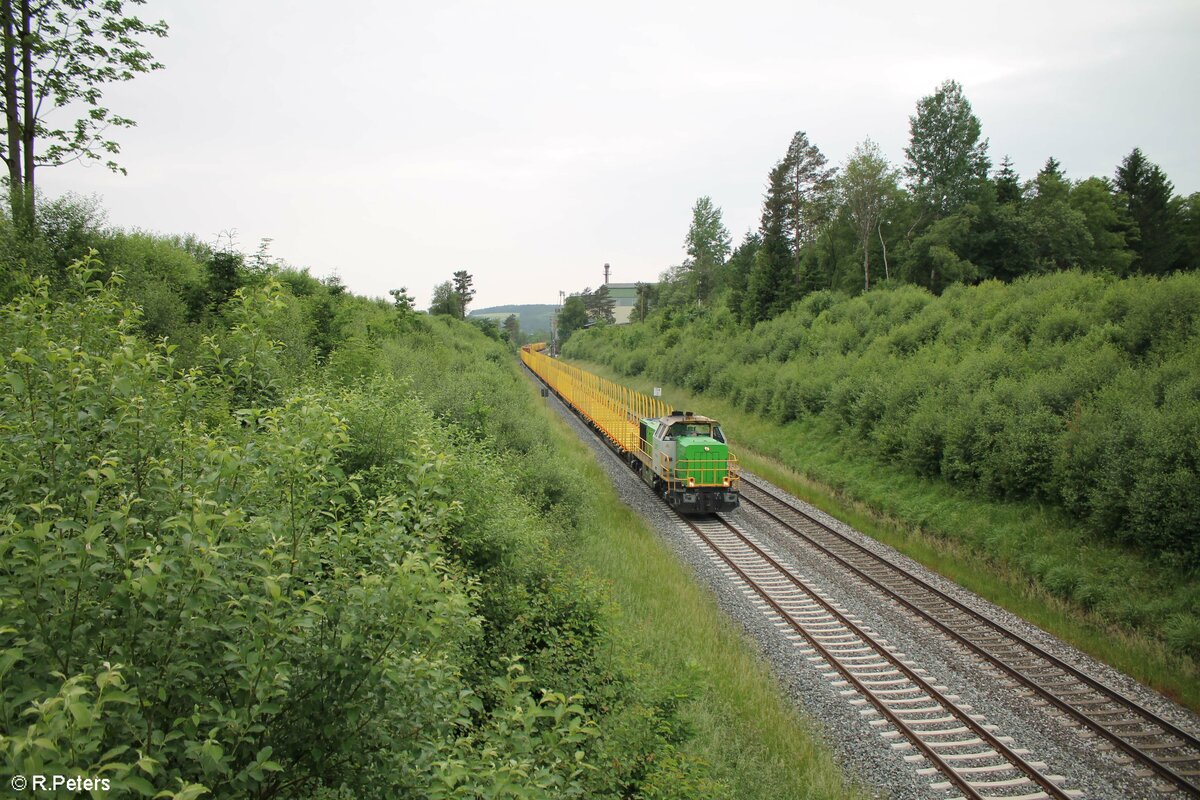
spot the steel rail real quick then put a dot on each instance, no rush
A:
(1187, 740)
(1018, 763)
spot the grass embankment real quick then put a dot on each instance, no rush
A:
(751, 736)
(989, 547)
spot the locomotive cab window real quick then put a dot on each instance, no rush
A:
(694, 429)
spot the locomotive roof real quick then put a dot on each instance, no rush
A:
(683, 416)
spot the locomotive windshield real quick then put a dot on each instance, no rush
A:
(694, 429)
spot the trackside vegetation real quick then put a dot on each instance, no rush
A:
(262, 538)
(1049, 426)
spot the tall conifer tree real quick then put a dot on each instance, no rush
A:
(1158, 244)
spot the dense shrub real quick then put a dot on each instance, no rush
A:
(235, 576)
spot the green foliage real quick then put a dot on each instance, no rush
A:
(771, 286)
(946, 159)
(445, 300)
(1147, 193)
(1075, 389)
(867, 186)
(707, 246)
(61, 54)
(235, 578)
(572, 317)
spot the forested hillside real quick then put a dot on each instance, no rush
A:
(262, 538)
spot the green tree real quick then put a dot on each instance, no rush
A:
(809, 190)
(772, 286)
(645, 300)
(1108, 224)
(445, 300)
(866, 185)
(1008, 242)
(599, 305)
(60, 54)
(402, 301)
(1158, 244)
(226, 274)
(463, 290)
(1059, 231)
(737, 272)
(946, 159)
(1190, 225)
(512, 329)
(1008, 183)
(936, 257)
(571, 317)
(707, 246)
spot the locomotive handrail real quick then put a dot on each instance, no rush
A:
(675, 472)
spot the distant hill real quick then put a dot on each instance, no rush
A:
(533, 317)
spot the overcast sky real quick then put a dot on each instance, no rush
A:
(529, 143)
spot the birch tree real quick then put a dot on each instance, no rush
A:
(866, 185)
(946, 159)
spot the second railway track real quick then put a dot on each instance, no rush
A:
(954, 740)
(1155, 745)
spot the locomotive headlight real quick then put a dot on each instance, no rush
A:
(691, 482)
(725, 482)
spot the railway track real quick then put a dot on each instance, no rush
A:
(1159, 748)
(912, 710)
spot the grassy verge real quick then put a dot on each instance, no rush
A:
(742, 725)
(1021, 556)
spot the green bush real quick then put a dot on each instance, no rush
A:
(230, 578)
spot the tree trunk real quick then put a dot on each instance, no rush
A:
(29, 128)
(867, 260)
(12, 118)
(887, 275)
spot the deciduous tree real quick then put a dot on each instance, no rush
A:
(866, 185)
(1108, 223)
(946, 159)
(445, 300)
(1060, 234)
(61, 53)
(571, 317)
(707, 246)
